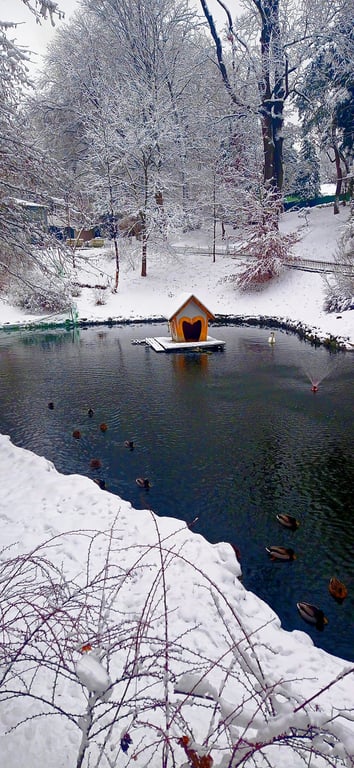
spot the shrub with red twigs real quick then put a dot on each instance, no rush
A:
(166, 699)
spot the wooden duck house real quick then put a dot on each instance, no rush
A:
(188, 326)
(189, 320)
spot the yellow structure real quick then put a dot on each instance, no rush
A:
(189, 320)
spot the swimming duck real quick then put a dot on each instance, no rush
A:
(90, 412)
(288, 521)
(143, 482)
(281, 553)
(237, 552)
(103, 427)
(129, 444)
(271, 339)
(95, 463)
(50, 406)
(77, 434)
(101, 483)
(337, 589)
(312, 615)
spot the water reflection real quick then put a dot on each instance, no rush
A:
(233, 438)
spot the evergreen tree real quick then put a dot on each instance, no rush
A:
(325, 94)
(307, 181)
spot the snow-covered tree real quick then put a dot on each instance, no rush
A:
(340, 287)
(269, 76)
(23, 200)
(133, 94)
(289, 34)
(290, 157)
(325, 93)
(307, 183)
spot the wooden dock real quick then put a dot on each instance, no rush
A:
(155, 344)
(166, 344)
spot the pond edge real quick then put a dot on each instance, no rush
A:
(304, 332)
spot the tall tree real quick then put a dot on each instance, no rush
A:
(22, 167)
(132, 90)
(325, 94)
(289, 34)
(307, 182)
(272, 83)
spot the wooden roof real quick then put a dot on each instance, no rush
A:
(183, 299)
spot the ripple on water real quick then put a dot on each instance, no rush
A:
(233, 438)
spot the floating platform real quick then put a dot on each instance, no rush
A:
(166, 344)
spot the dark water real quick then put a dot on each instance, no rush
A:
(230, 437)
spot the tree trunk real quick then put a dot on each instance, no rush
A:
(273, 65)
(142, 215)
(144, 245)
(144, 253)
(116, 252)
(272, 99)
(338, 171)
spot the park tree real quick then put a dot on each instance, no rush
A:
(276, 38)
(265, 49)
(325, 95)
(133, 90)
(290, 157)
(34, 276)
(270, 78)
(307, 181)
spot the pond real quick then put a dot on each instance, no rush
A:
(230, 437)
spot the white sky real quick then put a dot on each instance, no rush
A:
(29, 34)
(36, 37)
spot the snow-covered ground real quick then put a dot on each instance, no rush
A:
(158, 611)
(296, 296)
(222, 640)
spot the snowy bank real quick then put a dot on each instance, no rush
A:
(180, 655)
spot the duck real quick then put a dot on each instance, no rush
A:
(95, 463)
(237, 552)
(337, 589)
(101, 483)
(129, 444)
(288, 521)
(103, 427)
(76, 434)
(90, 412)
(271, 338)
(312, 615)
(50, 406)
(143, 482)
(281, 553)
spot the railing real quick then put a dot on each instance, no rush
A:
(307, 265)
(310, 265)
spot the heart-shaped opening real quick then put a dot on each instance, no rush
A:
(192, 331)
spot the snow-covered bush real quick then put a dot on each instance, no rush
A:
(102, 654)
(267, 251)
(335, 302)
(264, 246)
(40, 293)
(75, 291)
(339, 294)
(99, 296)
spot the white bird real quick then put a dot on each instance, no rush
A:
(272, 338)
